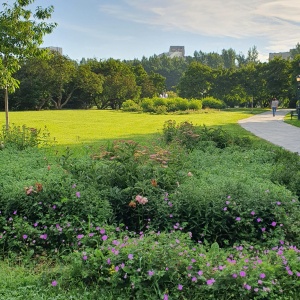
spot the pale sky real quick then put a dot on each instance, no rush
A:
(128, 29)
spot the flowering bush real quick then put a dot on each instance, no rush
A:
(171, 266)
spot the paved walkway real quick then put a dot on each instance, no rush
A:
(274, 130)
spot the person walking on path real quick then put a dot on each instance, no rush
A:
(274, 105)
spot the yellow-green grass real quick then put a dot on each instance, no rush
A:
(294, 121)
(93, 127)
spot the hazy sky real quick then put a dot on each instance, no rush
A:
(127, 29)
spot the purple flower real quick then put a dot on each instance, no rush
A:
(252, 213)
(80, 236)
(15, 212)
(263, 229)
(84, 257)
(150, 273)
(24, 236)
(262, 275)
(180, 287)
(243, 274)
(54, 283)
(74, 186)
(247, 287)
(102, 231)
(166, 297)
(259, 282)
(43, 236)
(130, 256)
(78, 194)
(194, 279)
(104, 237)
(234, 275)
(290, 272)
(210, 281)
(258, 220)
(225, 208)
(273, 224)
(238, 219)
(278, 203)
(200, 273)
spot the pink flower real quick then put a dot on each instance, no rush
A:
(43, 236)
(243, 274)
(180, 287)
(84, 257)
(210, 281)
(54, 283)
(238, 219)
(252, 213)
(273, 224)
(130, 256)
(78, 194)
(258, 220)
(262, 275)
(24, 236)
(200, 273)
(104, 237)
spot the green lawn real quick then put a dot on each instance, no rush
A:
(70, 127)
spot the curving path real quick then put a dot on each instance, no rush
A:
(274, 130)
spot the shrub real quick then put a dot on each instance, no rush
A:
(211, 102)
(195, 104)
(154, 265)
(158, 101)
(23, 137)
(130, 105)
(233, 202)
(147, 105)
(181, 103)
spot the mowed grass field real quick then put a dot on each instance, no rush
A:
(71, 127)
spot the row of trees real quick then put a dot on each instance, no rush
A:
(251, 84)
(58, 82)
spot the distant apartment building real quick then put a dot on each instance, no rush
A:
(175, 51)
(284, 55)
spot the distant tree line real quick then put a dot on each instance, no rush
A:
(55, 81)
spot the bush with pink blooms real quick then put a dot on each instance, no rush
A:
(195, 218)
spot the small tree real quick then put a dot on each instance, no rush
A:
(21, 34)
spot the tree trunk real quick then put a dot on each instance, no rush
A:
(6, 107)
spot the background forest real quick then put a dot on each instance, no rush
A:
(235, 79)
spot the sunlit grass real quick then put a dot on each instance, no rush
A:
(75, 127)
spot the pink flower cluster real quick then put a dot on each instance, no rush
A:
(141, 200)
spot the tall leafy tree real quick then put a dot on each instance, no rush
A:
(119, 83)
(21, 34)
(196, 81)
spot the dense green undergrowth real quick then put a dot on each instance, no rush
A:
(201, 214)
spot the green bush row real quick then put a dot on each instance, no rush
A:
(162, 105)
